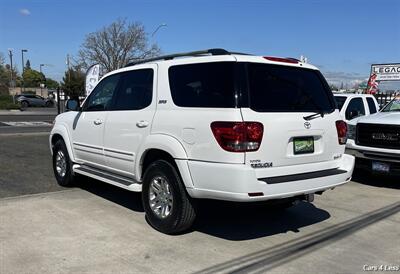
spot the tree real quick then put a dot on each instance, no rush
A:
(73, 83)
(32, 78)
(2, 59)
(51, 84)
(28, 64)
(115, 45)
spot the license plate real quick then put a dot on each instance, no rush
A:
(380, 167)
(303, 145)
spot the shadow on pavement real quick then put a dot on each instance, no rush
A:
(377, 180)
(230, 221)
(125, 198)
(264, 260)
(244, 221)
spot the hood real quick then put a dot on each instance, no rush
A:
(388, 118)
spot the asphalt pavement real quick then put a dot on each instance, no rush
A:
(28, 121)
(98, 228)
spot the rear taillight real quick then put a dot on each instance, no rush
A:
(280, 59)
(341, 128)
(238, 136)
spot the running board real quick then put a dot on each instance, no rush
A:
(108, 177)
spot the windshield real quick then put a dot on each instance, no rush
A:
(278, 88)
(340, 101)
(392, 106)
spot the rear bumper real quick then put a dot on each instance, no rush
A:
(234, 182)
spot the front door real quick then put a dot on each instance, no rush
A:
(88, 127)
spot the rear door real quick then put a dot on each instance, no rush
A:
(280, 97)
(130, 119)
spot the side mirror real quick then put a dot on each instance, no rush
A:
(72, 105)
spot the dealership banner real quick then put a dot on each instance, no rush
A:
(386, 72)
(92, 77)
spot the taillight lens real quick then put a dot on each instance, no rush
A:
(341, 128)
(238, 136)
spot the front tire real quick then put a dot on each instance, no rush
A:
(168, 207)
(62, 165)
(24, 104)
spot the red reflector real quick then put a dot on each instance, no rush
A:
(341, 128)
(280, 59)
(238, 136)
(254, 194)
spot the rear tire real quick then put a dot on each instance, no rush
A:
(168, 207)
(62, 165)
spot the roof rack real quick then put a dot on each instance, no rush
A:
(215, 51)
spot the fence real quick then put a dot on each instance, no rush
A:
(384, 98)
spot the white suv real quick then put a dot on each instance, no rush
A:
(207, 124)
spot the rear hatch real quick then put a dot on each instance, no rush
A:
(281, 97)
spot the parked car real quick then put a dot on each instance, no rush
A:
(209, 124)
(355, 105)
(375, 140)
(31, 100)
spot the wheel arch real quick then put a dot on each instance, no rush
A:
(61, 133)
(167, 148)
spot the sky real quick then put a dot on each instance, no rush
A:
(342, 38)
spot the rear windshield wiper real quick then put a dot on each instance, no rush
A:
(310, 117)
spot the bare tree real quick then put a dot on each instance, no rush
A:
(115, 45)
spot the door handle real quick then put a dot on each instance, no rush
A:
(97, 122)
(142, 124)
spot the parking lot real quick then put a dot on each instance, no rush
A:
(99, 228)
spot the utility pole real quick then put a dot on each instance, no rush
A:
(10, 53)
(11, 72)
(23, 68)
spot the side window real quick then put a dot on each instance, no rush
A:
(203, 85)
(371, 105)
(135, 90)
(101, 97)
(355, 108)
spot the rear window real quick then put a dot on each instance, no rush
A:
(340, 100)
(203, 85)
(274, 88)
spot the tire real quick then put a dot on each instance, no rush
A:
(180, 213)
(48, 104)
(24, 104)
(64, 176)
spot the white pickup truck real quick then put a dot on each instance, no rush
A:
(375, 140)
(352, 105)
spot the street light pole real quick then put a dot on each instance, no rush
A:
(160, 26)
(23, 68)
(41, 84)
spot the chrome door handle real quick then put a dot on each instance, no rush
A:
(97, 122)
(142, 124)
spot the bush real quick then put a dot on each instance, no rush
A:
(6, 102)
